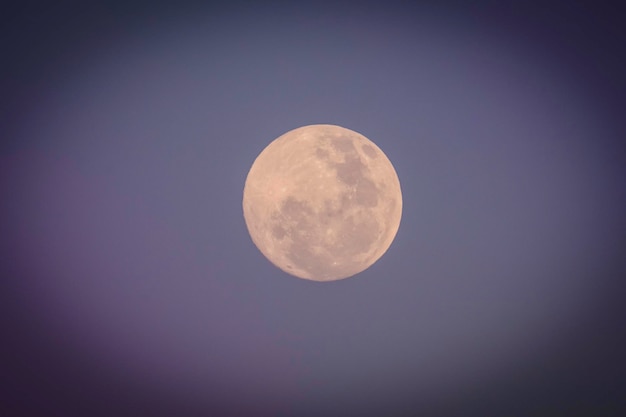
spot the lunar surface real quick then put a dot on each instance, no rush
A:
(322, 202)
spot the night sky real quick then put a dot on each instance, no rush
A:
(130, 286)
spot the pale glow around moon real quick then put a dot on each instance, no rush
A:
(322, 202)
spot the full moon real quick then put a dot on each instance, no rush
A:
(322, 202)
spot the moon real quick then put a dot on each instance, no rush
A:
(322, 202)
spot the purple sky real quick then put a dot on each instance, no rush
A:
(132, 286)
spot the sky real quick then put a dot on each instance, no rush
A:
(130, 285)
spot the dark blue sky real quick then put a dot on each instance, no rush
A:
(131, 286)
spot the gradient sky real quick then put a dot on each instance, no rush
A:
(132, 287)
